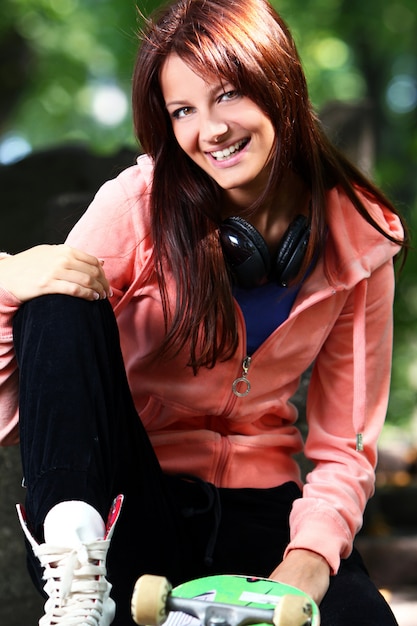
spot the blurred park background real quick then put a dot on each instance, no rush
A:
(65, 127)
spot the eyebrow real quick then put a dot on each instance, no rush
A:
(177, 103)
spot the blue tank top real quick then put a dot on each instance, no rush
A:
(264, 309)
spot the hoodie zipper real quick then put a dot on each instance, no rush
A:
(241, 386)
(223, 458)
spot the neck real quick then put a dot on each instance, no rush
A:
(273, 217)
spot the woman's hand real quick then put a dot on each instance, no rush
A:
(48, 269)
(306, 570)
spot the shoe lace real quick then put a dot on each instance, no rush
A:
(75, 583)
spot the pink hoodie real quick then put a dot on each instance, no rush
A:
(197, 424)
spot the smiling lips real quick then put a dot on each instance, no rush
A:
(221, 155)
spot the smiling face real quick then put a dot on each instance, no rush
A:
(222, 131)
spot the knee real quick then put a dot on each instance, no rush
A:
(52, 305)
(56, 313)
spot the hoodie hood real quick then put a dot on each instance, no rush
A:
(355, 248)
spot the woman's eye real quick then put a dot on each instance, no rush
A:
(229, 95)
(183, 112)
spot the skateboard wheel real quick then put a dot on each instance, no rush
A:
(293, 611)
(149, 600)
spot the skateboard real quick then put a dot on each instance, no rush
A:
(222, 600)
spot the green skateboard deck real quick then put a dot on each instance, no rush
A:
(222, 600)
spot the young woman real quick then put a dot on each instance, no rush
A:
(240, 249)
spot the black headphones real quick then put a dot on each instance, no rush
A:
(248, 257)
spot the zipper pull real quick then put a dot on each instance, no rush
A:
(242, 381)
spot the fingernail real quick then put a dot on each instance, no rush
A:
(111, 294)
(96, 296)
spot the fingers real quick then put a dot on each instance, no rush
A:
(82, 275)
(82, 283)
(48, 269)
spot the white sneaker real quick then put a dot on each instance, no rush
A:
(74, 560)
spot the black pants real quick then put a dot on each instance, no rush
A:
(81, 439)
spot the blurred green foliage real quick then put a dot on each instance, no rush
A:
(74, 47)
(79, 52)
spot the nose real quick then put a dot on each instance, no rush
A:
(213, 130)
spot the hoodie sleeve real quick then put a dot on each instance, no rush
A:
(346, 409)
(8, 370)
(114, 228)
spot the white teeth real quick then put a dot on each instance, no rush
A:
(219, 155)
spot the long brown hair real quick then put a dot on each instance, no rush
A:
(246, 43)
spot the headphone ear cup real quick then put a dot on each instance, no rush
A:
(292, 250)
(248, 257)
(245, 251)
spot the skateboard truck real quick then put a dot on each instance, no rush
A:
(152, 602)
(221, 614)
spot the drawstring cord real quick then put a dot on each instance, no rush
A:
(213, 504)
(217, 511)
